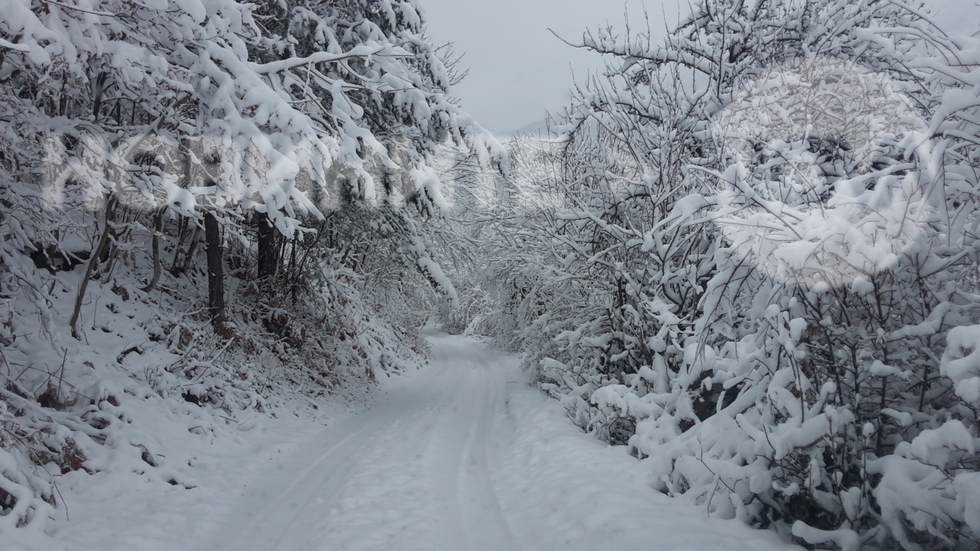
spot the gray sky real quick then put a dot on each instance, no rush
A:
(518, 69)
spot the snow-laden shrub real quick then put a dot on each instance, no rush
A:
(930, 484)
(961, 362)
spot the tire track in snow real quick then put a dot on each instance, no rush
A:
(271, 511)
(488, 526)
(412, 473)
(382, 502)
(443, 455)
(460, 447)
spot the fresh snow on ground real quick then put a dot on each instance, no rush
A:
(462, 455)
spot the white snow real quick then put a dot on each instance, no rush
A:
(460, 455)
(961, 362)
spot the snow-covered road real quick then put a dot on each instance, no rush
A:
(413, 472)
(462, 455)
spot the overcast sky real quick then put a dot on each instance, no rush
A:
(518, 69)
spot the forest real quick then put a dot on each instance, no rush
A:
(746, 253)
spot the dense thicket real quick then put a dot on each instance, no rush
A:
(762, 275)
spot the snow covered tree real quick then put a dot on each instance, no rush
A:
(189, 141)
(280, 101)
(776, 210)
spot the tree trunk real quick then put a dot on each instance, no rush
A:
(185, 263)
(157, 230)
(293, 273)
(181, 230)
(93, 262)
(268, 259)
(216, 278)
